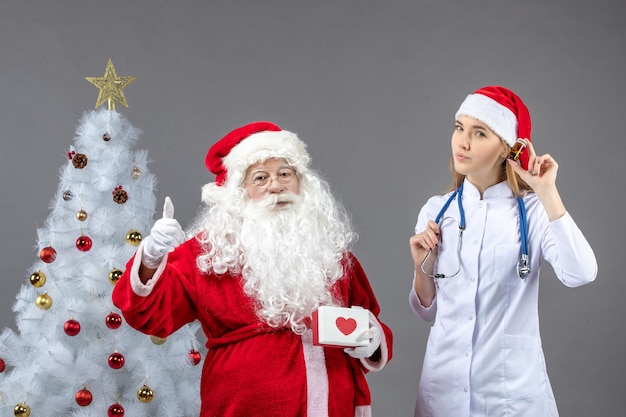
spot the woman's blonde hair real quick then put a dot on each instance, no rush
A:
(518, 185)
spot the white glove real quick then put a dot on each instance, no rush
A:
(165, 235)
(374, 336)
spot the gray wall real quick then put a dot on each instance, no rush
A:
(372, 86)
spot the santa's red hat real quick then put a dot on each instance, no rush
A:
(251, 143)
(503, 111)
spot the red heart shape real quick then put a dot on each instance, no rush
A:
(345, 326)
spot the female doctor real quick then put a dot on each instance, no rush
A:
(477, 253)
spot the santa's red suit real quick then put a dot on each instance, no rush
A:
(250, 368)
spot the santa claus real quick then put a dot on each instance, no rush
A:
(270, 247)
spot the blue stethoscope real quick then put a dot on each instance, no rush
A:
(523, 268)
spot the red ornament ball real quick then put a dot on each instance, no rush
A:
(116, 410)
(113, 321)
(83, 397)
(48, 254)
(116, 360)
(71, 327)
(2, 365)
(83, 243)
(195, 357)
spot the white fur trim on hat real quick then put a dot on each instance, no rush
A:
(499, 118)
(264, 145)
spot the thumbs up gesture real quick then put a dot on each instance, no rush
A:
(165, 236)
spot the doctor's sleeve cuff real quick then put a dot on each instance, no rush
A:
(578, 264)
(426, 313)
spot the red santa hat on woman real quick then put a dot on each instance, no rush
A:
(503, 111)
(230, 157)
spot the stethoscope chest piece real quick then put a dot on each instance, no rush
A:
(522, 267)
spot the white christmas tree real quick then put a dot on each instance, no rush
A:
(73, 354)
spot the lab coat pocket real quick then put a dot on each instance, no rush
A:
(524, 368)
(505, 265)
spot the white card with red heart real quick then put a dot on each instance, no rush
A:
(340, 326)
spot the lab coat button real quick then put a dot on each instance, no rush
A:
(470, 318)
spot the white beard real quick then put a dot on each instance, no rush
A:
(289, 264)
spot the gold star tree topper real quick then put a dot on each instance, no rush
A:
(111, 87)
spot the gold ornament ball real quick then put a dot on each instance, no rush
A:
(81, 215)
(38, 279)
(133, 237)
(21, 410)
(43, 301)
(158, 340)
(115, 275)
(145, 394)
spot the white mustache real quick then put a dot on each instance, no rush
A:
(272, 200)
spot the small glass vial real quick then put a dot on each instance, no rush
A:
(517, 149)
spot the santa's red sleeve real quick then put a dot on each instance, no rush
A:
(166, 303)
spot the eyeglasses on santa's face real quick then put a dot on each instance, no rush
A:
(261, 179)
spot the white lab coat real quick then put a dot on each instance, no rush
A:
(484, 355)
